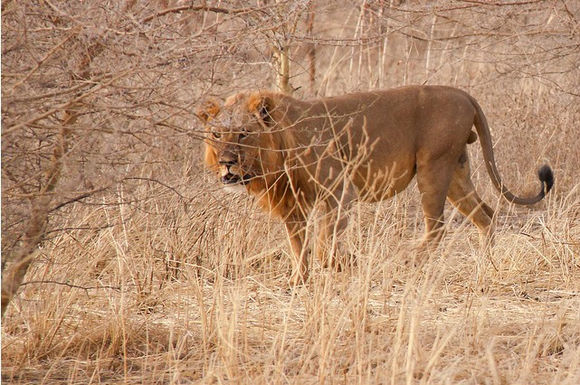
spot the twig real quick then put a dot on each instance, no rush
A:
(159, 182)
(41, 61)
(79, 197)
(86, 288)
(199, 8)
(64, 106)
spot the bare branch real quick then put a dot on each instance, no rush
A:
(191, 7)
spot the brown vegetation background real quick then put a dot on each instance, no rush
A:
(124, 262)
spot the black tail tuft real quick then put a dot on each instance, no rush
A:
(546, 176)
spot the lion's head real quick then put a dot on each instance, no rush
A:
(242, 139)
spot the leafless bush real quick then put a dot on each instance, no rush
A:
(122, 80)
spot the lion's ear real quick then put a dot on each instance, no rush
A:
(263, 106)
(208, 110)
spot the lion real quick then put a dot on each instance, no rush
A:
(298, 156)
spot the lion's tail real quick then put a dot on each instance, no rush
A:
(545, 173)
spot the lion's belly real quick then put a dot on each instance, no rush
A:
(376, 183)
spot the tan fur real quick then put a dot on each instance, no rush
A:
(297, 155)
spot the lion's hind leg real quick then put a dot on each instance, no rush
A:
(462, 195)
(433, 178)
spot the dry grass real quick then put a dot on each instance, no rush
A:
(166, 279)
(159, 307)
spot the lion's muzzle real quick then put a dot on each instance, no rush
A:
(230, 179)
(232, 175)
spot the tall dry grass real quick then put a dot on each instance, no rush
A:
(163, 278)
(149, 302)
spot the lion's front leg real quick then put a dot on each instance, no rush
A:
(296, 230)
(331, 226)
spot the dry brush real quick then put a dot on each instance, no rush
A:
(123, 261)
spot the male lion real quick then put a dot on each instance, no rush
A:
(297, 155)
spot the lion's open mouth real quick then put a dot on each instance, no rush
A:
(231, 179)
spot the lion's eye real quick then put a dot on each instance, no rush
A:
(243, 134)
(216, 134)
